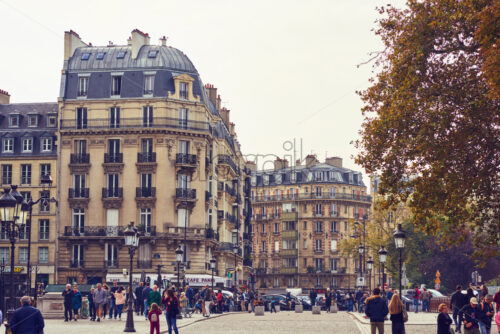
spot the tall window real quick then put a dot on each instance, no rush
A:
(146, 189)
(333, 227)
(333, 264)
(111, 255)
(43, 229)
(46, 144)
(333, 245)
(77, 256)
(79, 220)
(114, 117)
(116, 86)
(333, 191)
(8, 145)
(183, 90)
(81, 118)
(147, 116)
(43, 254)
(263, 247)
(51, 121)
(276, 228)
(13, 121)
(113, 185)
(114, 150)
(23, 254)
(45, 203)
(318, 227)
(183, 181)
(182, 218)
(145, 218)
(318, 264)
(6, 174)
(83, 85)
(32, 120)
(149, 81)
(28, 145)
(44, 170)
(25, 174)
(80, 147)
(317, 245)
(318, 210)
(4, 255)
(23, 232)
(183, 118)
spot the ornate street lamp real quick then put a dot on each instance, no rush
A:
(213, 262)
(399, 239)
(11, 203)
(369, 265)
(178, 258)
(235, 250)
(132, 242)
(382, 253)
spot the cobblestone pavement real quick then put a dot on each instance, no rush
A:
(418, 323)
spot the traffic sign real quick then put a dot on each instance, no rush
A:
(436, 286)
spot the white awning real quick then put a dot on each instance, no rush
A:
(191, 279)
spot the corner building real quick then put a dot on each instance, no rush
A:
(300, 215)
(143, 140)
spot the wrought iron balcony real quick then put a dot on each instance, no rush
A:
(185, 194)
(144, 264)
(230, 190)
(78, 193)
(185, 159)
(210, 234)
(230, 218)
(289, 252)
(225, 159)
(111, 263)
(142, 192)
(290, 234)
(77, 263)
(208, 196)
(143, 157)
(105, 231)
(289, 271)
(79, 158)
(114, 192)
(113, 158)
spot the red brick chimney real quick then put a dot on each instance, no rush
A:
(4, 97)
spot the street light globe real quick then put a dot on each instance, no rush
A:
(361, 249)
(7, 206)
(23, 217)
(178, 254)
(19, 201)
(399, 237)
(213, 262)
(131, 236)
(369, 263)
(235, 249)
(382, 254)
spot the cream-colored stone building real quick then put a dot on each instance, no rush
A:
(28, 151)
(300, 215)
(143, 140)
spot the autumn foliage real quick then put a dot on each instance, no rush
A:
(432, 118)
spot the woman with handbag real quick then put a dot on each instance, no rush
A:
(171, 310)
(398, 315)
(444, 320)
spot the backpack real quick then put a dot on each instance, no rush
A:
(154, 317)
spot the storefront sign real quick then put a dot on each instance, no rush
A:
(17, 269)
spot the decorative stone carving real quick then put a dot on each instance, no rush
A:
(170, 145)
(112, 203)
(146, 167)
(113, 168)
(79, 203)
(145, 202)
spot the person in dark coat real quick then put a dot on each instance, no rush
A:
(458, 300)
(92, 310)
(328, 300)
(139, 301)
(312, 296)
(376, 310)
(189, 295)
(396, 309)
(68, 302)
(27, 319)
(444, 320)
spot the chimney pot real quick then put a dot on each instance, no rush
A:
(4, 97)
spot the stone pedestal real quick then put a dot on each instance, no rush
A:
(333, 309)
(316, 310)
(277, 308)
(51, 305)
(299, 308)
(259, 310)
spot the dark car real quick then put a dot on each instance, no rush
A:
(305, 301)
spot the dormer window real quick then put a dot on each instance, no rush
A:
(52, 121)
(149, 81)
(32, 120)
(277, 178)
(27, 145)
(253, 180)
(8, 145)
(46, 144)
(293, 177)
(13, 121)
(100, 56)
(116, 86)
(183, 90)
(121, 55)
(152, 53)
(266, 179)
(83, 85)
(85, 56)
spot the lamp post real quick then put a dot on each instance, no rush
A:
(14, 218)
(369, 265)
(213, 262)
(399, 239)
(235, 250)
(382, 253)
(132, 242)
(178, 258)
(361, 250)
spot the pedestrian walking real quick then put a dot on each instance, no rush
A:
(145, 295)
(486, 314)
(171, 311)
(183, 302)
(68, 303)
(112, 302)
(358, 296)
(76, 302)
(496, 299)
(426, 297)
(27, 319)
(189, 295)
(119, 296)
(92, 309)
(154, 319)
(376, 310)
(219, 301)
(100, 298)
(458, 300)
(207, 297)
(398, 315)
(251, 301)
(444, 321)
(390, 293)
(154, 296)
(416, 298)
(139, 301)
(363, 301)
(107, 301)
(328, 300)
(471, 313)
(313, 295)
(349, 302)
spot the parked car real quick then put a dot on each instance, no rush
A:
(306, 301)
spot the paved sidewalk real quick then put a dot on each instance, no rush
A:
(418, 323)
(419, 318)
(116, 326)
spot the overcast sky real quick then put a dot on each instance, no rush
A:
(286, 69)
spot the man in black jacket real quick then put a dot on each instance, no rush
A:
(139, 301)
(27, 319)
(376, 310)
(471, 316)
(68, 302)
(458, 300)
(312, 296)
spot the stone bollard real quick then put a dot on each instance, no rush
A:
(299, 308)
(316, 310)
(333, 309)
(277, 308)
(259, 310)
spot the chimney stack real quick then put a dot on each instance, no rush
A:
(224, 113)
(334, 161)
(212, 94)
(4, 97)
(251, 165)
(138, 40)
(163, 41)
(72, 41)
(311, 160)
(280, 163)
(217, 106)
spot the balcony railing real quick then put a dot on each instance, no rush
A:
(185, 159)
(289, 252)
(112, 192)
(144, 264)
(247, 262)
(78, 193)
(225, 246)
(77, 263)
(291, 270)
(79, 158)
(230, 218)
(220, 214)
(291, 234)
(226, 159)
(210, 234)
(289, 216)
(261, 271)
(142, 192)
(138, 122)
(146, 157)
(230, 190)
(113, 158)
(208, 196)
(105, 231)
(300, 196)
(111, 263)
(185, 193)
(260, 217)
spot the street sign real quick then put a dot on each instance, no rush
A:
(436, 286)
